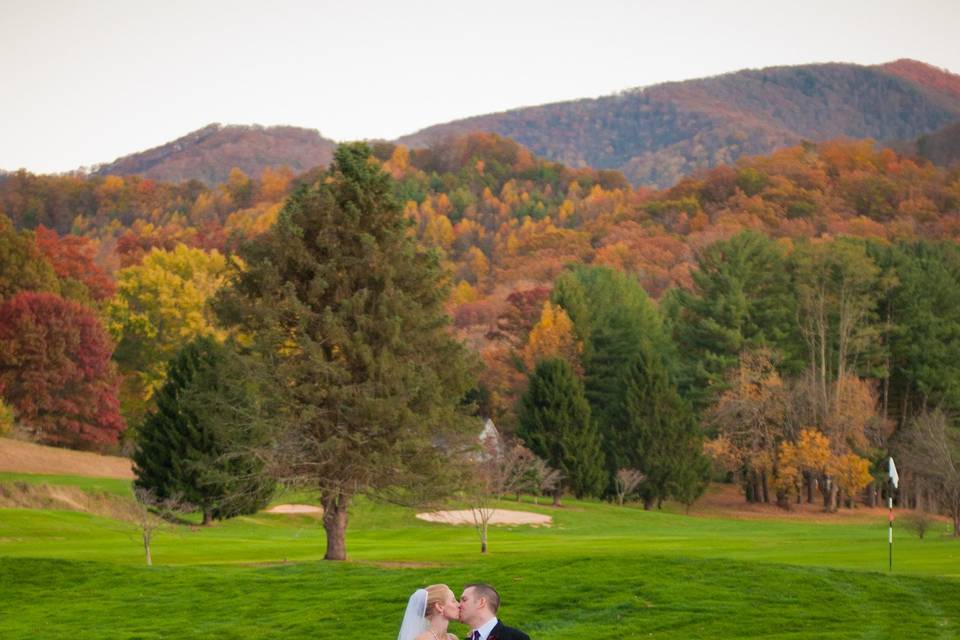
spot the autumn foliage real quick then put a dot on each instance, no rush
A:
(73, 257)
(813, 288)
(55, 370)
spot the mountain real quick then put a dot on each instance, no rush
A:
(208, 154)
(657, 134)
(942, 147)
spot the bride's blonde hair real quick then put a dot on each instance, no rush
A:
(436, 594)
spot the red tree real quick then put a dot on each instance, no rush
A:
(72, 257)
(55, 370)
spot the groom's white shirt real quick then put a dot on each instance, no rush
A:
(487, 627)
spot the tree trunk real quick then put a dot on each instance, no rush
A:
(207, 516)
(647, 503)
(765, 486)
(483, 538)
(886, 378)
(556, 497)
(335, 506)
(834, 496)
(808, 477)
(783, 500)
(146, 548)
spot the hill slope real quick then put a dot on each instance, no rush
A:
(657, 134)
(25, 457)
(941, 147)
(208, 154)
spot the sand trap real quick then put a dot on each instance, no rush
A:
(500, 516)
(294, 508)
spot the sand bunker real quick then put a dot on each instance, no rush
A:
(500, 516)
(295, 508)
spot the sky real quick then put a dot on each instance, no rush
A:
(83, 83)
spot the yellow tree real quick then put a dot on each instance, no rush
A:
(813, 456)
(552, 337)
(809, 458)
(160, 304)
(476, 266)
(439, 232)
(852, 475)
(463, 293)
(399, 161)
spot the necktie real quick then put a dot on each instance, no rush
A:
(475, 635)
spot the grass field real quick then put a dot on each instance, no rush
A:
(598, 572)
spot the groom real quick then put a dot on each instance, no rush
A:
(478, 610)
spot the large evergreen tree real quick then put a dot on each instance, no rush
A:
(347, 312)
(554, 421)
(616, 321)
(200, 443)
(741, 300)
(660, 436)
(921, 315)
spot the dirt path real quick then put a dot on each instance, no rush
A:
(25, 457)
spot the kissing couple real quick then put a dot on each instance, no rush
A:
(430, 610)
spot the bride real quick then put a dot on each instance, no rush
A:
(429, 611)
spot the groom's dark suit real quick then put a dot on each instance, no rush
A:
(503, 632)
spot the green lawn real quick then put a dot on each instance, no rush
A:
(599, 572)
(113, 486)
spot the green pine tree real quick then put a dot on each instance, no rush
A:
(741, 300)
(616, 320)
(660, 437)
(554, 421)
(920, 315)
(199, 443)
(347, 313)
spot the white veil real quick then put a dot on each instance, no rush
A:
(414, 623)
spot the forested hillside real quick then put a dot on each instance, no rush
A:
(655, 135)
(817, 286)
(942, 147)
(209, 154)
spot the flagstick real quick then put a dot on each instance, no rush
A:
(894, 484)
(890, 503)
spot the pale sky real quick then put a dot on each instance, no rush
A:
(85, 82)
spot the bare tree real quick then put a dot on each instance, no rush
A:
(930, 448)
(150, 513)
(549, 479)
(919, 522)
(499, 467)
(626, 483)
(751, 418)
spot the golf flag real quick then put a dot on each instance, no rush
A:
(895, 481)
